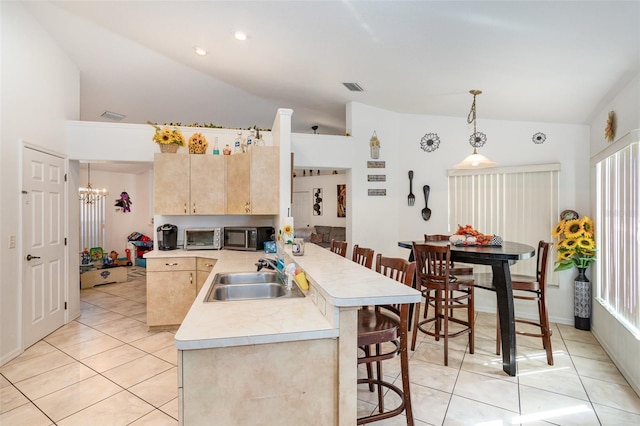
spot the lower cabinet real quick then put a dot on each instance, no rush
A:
(203, 269)
(171, 290)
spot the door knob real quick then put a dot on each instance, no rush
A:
(29, 257)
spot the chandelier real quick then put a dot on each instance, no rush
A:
(88, 194)
(476, 140)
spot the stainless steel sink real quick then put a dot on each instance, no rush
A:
(249, 285)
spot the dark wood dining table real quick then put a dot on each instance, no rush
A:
(499, 258)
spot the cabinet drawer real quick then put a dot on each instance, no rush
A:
(171, 264)
(205, 265)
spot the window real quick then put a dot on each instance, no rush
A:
(617, 176)
(516, 203)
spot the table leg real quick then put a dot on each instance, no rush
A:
(504, 297)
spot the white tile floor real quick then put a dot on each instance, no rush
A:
(106, 368)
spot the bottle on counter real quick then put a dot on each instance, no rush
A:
(216, 151)
(251, 139)
(227, 150)
(237, 144)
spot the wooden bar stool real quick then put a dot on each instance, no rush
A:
(433, 274)
(387, 324)
(363, 256)
(532, 288)
(338, 247)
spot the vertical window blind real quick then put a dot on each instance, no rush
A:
(617, 175)
(92, 218)
(517, 203)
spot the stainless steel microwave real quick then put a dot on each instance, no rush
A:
(247, 237)
(203, 239)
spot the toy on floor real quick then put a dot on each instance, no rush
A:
(114, 260)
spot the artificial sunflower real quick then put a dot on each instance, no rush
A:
(573, 228)
(576, 246)
(587, 226)
(558, 229)
(287, 229)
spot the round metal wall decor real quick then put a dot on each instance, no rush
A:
(430, 142)
(477, 139)
(539, 138)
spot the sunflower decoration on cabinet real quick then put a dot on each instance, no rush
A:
(610, 127)
(198, 144)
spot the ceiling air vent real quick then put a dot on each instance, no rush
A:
(354, 87)
(114, 116)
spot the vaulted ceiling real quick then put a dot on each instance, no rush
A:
(555, 61)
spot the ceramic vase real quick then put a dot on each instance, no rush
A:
(582, 300)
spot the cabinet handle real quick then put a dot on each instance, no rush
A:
(186, 208)
(194, 207)
(171, 264)
(190, 277)
(209, 265)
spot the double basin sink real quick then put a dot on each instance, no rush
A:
(250, 285)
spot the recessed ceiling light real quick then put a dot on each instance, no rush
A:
(114, 116)
(200, 51)
(239, 35)
(354, 87)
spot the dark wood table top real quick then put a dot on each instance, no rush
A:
(508, 251)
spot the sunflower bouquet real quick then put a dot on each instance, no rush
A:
(576, 246)
(167, 135)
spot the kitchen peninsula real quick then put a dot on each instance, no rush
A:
(264, 361)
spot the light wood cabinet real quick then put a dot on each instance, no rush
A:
(171, 290)
(253, 181)
(203, 269)
(185, 184)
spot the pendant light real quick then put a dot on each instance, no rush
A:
(477, 139)
(88, 194)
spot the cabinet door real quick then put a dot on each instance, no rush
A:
(204, 268)
(171, 184)
(207, 184)
(265, 180)
(169, 297)
(238, 194)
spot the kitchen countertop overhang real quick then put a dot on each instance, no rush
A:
(340, 282)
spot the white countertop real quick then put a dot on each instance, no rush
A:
(341, 282)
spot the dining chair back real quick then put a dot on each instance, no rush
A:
(454, 269)
(382, 335)
(445, 294)
(338, 247)
(363, 256)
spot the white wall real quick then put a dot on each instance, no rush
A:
(329, 184)
(40, 91)
(380, 222)
(620, 344)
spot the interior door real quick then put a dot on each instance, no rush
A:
(301, 209)
(43, 248)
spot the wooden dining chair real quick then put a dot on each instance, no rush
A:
(387, 324)
(363, 256)
(455, 269)
(444, 293)
(533, 288)
(338, 247)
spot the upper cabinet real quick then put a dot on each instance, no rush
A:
(253, 181)
(185, 184)
(200, 184)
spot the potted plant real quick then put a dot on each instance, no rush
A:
(576, 247)
(169, 139)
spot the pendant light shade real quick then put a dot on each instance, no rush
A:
(477, 139)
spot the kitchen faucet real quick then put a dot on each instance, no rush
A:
(270, 264)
